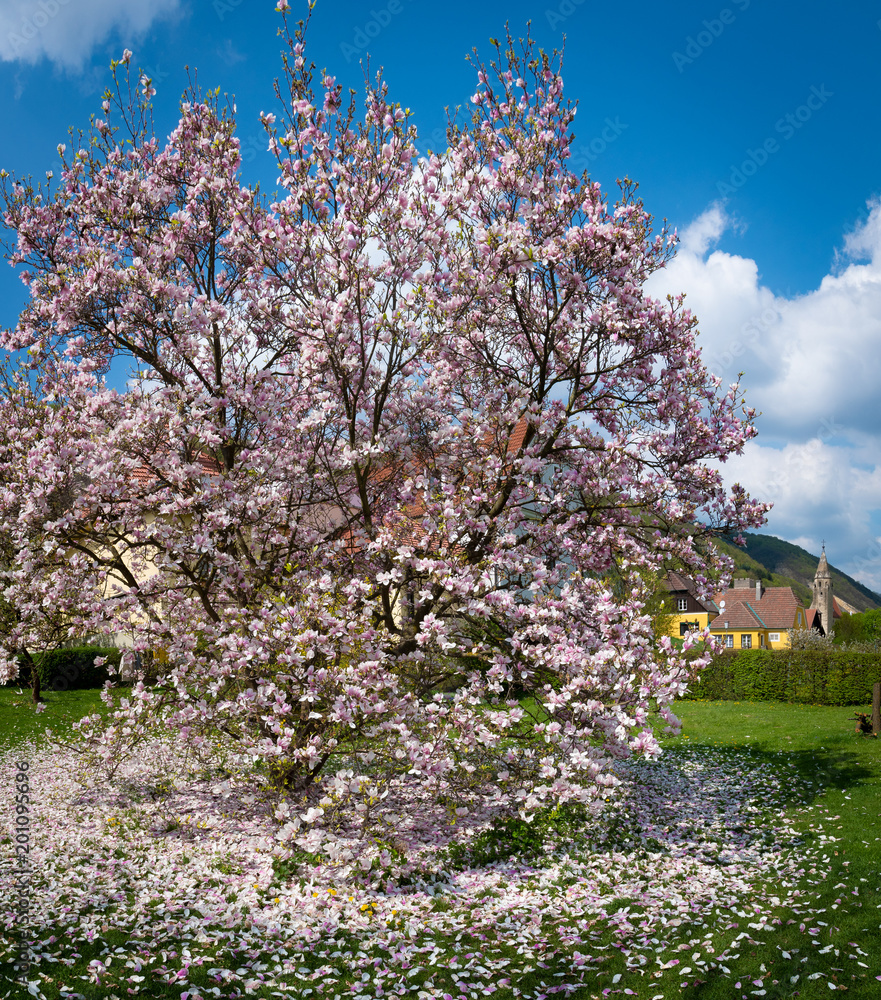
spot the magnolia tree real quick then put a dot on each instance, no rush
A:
(411, 428)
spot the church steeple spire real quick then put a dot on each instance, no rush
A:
(822, 593)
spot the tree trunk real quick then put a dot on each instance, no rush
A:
(36, 696)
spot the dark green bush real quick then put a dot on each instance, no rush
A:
(863, 627)
(511, 836)
(810, 676)
(72, 668)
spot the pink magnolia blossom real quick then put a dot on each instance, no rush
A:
(412, 428)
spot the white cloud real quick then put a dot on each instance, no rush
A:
(723, 291)
(821, 492)
(812, 366)
(806, 360)
(705, 231)
(66, 31)
(864, 242)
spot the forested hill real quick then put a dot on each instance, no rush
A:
(781, 564)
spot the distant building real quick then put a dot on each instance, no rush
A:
(689, 612)
(751, 616)
(824, 603)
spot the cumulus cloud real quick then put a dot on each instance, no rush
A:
(735, 312)
(821, 492)
(66, 32)
(805, 359)
(811, 364)
(864, 242)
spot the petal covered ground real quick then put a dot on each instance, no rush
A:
(173, 878)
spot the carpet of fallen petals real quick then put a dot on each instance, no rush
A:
(183, 879)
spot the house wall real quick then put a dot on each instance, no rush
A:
(783, 641)
(676, 620)
(758, 637)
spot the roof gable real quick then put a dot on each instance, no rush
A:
(776, 610)
(739, 616)
(676, 583)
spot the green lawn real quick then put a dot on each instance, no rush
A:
(828, 940)
(20, 722)
(845, 771)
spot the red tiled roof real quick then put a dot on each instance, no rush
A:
(778, 607)
(732, 596)
(737, 616)
(515, 441)
(676, 581)
(776, 610)
(207, 463)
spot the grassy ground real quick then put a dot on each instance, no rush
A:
(19, 722)
(845, 771)
(833, 943)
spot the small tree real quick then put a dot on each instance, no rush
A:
(809, 638)
(398, 429)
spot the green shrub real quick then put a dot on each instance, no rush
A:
(510, 836)
(72, 668)
(862, 627)
(809, 676)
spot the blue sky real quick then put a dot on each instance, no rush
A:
(754, 128)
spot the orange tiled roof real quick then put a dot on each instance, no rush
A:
(738, 616)
(776, 609)
(207, 463)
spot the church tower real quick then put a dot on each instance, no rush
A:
(822, 588)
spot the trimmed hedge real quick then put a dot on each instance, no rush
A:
(809, 676)
(72, 668)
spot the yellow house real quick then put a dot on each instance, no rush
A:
(753, 617)
(746, 616)
(688, 613)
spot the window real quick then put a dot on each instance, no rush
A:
(682, 604)
(773, 637)
(746, 642)
(729, 641)
(761, 639)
